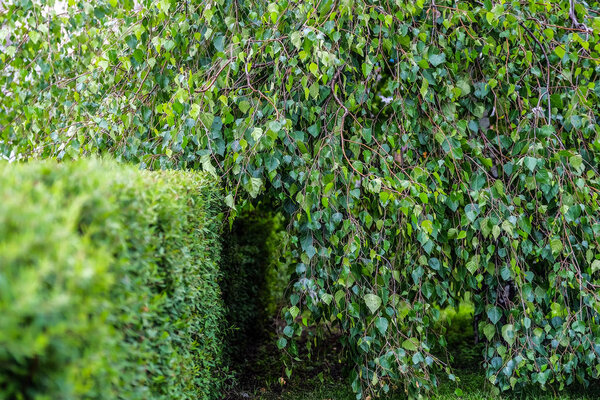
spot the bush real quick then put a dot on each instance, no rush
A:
(108, 283)
(254, 278)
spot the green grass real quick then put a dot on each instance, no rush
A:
(473, 385)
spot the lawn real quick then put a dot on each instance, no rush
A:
(472, 383)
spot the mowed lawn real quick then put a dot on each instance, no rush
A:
(472, 384)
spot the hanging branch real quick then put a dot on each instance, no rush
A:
(574, 21)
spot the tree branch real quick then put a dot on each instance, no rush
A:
(574, 21)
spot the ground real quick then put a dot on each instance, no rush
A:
(262, 375)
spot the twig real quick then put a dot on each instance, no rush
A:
(575, 22)
(346, 112)
(547, 71)
(204, 89)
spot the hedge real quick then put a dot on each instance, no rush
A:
(254, 279)
(108, 283)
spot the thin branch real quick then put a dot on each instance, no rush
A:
(575, 22)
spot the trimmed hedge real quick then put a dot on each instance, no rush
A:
(108, 283)
(252, 283)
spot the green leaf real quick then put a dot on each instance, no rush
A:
(138, 55)
(294, 312)
(219, 42)
(244, 106)
(579, 326)
(576, 162)
(207, 119)
(465, 88)
(573, 213)
(530, 162)
(494, 314)
(471, 211)
(427, 289)
(339, 296)
(411, 344)
(507, 227)
(288, 331)
(281, 343)
(373, 302)
(485, 227)
(437, 59)
(275, 126)
(366, 69)
(229, 201)
(272, 163)
(327, 298)
(382, 325)
(296, 39)
(424, 86)
(496, 232)
(257, 134)
(508, 333)
(253, 186)
(194, 111)
(427, 225)
(473, 264)
(314, 90)
(542, 377)
(556, 245)
(207, 165)
(489, 331)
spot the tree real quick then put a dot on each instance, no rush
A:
(425, 150)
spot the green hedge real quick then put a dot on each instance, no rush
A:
(108, 283)
(254, 278)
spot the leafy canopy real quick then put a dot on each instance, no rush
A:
(424, 150)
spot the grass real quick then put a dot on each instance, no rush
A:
(473, 385)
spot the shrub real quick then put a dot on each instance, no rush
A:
(254, 278)
(108, 283)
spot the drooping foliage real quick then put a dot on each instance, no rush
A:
(424, 150)
(109, 283)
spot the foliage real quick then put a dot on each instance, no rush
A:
(108, 283)
(281, 265)
(251, 280)
(424, 150)
(456, 325)
(321, 377)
